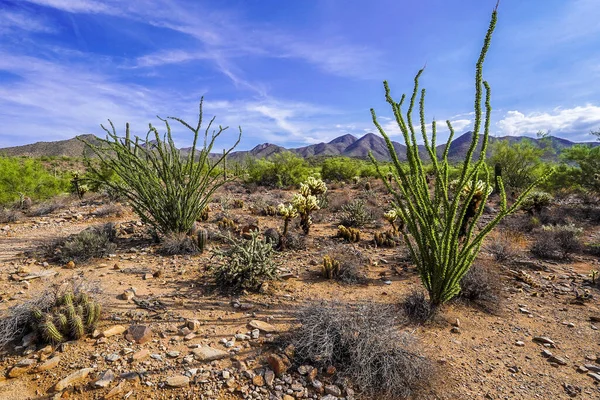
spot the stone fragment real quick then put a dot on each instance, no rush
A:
(105, 379)
(116, 391)
(139, 334)
(258, 380)
(543, 340)
(178, 381)
(140, 355)
(206, 353)
(262, 326)
(193, 325)
(333, 390)
(48, 364)
(113, 331)
(73, 379)
(278, 364)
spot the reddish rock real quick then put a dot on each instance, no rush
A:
(139, 334)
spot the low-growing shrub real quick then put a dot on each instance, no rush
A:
(479, 286)
(48, 207)
(178, 243)
(364, 344)
(245, 265)
(344, 265)
(108, 210)
(94, 242)
(536, 201)
(557, 242)
(417, 308)
(355, 214)
(8, 215)
(503, 247)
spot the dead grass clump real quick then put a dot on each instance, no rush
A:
(94, 242)
(178, 244)
(48, 207)
(480, 286)
(557, 242)
(364, 344)
(504, 246)
(109, 210)
(8, 215)
(355, 214)
(292, 241)
(351, 262)
(417, 307)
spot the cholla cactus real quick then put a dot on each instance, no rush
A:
(384, 239)
(330, 268)
(313, 186)
(593, 274)
(352, 235)
(393, 216)
(304, 205)
(287, 213)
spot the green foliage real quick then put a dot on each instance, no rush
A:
(536, 201)
(21, 177)
(587, 161)
(340, 169)
(168, 191)
(521, 162)
(441, 223)
(280, 170)
(246, 265)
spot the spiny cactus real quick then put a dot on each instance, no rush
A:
(288, 213)
(536, 201)
(203, 216)
(330, 268)
(351, 235)
(313, 186)
(227, 224)
(269, 211)
(385, 239)
(202, 239)
(305, 205)
(238, 203)
(70, 317)
(368, 186)
(394, 217)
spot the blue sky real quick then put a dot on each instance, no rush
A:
(292, 72)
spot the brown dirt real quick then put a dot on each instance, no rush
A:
(472, 364)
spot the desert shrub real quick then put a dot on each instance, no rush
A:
(94, 242)
(503, 247)
(479, 286)
(365, 345)
(344, 265)
(48, 207)
(556, 242)
(416, 307)
(587, 161)
(27, 177)
(521, 163)
(593, 249)
(337, 200)
(178, 243)
(441, 220)
(166, 189)
(339, 169)
(280, 170)
(55, 315)
(292, 241)
(536, 201)
(8, 215)
(355, 214)
(245, 265)
(108, 210)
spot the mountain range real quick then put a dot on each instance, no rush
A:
(346, 145)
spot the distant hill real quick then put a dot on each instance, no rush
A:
(346, 145)
(67, 148)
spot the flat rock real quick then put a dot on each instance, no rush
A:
(113, 331)
(206, 353)
(558, 360)
(595, 376)
(592, 367)
(48, 364)
(139, 334)
(73, 379)
(543, 340)
(105, 379)
(262, 326)
(178, 381)
(278, 364)
(116, 391)
(140, 355)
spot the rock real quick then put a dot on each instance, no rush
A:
(193, 325)
(278, 364)
(206, 353)
(592, 367)
(114, 330)
(333, 390)
(546, 353)
(48, 364)
(262, 326)
(288, 397)
(582, 369)
(148, 276)
(520, 343)
(189, 336)
(595, 376)
(226, 375)
(70, 265)
(543, 340)
(557, 360)
(524, 310)
(127, 295)
(105, 379)
(139, 334)
(116, 391)
(330, 370)
(140, 355)
(178, 381)
(318, 386)
(17, 371)
(595, 318)
(304, 369)
(73, 379)
(269, 377)
(455, 329)
(258, 380)
(112, 357)
(255, 334)
(173, 354)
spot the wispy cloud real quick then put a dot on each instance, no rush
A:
(11, 21)
(76, 6)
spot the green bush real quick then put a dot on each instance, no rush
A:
(245, 265)
(167, 190)
(28, 177)
(442, 231)
(521, 163)
(587, 161)
(280, 170)
(340, 169)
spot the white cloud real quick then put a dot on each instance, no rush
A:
(572, 123)
(10, 21)
(76, 6)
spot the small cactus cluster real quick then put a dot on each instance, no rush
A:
(305, 205)
(536, 201)
(313, 187)
(385, 239)
(288, 213)
(201, 239)
(70, 318)
(330, 268)
(227, 224)
(238, 203)
(269, 211)
(351, 235)
(204, 214)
